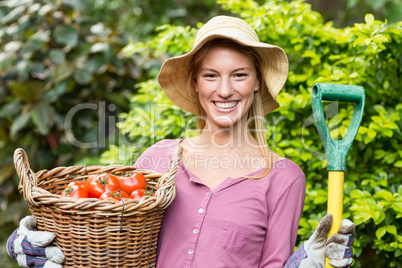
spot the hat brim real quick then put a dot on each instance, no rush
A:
(175, 72)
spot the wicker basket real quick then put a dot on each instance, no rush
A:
(93, 232)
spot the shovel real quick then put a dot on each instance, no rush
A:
(336, 150)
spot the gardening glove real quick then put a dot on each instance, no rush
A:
(30, 247)
(312, 253)
(338, 249)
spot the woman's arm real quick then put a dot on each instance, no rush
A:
(283, 223)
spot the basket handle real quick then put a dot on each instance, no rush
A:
(27, 177)
(167, 181)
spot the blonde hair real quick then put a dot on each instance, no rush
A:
(256, 124)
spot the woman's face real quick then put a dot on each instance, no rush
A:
(226, 82)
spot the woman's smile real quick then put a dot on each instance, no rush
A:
(226, 106)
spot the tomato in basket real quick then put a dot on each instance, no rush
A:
(88, 181)
(101, 183)
(78, 183)
(133, 182)
(139, 193)
(117, 195)
(75, 191)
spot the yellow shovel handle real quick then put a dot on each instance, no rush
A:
(335, 202)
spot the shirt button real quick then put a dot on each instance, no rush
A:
(190, 251)
(200, 211)
(195, 231)
(209, 193)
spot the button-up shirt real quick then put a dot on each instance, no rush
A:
(240, 223)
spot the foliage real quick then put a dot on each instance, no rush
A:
(390, 9)
(59, 69)
(367, 54)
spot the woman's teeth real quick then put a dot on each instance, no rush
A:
(226, 105)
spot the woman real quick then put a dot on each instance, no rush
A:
(238, 203)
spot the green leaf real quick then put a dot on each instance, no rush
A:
(371, 134)
(398, 164)
(379, 154)
(96, 62)
(363, 130)
(397, 206)
(372, 47)
(57, 56)
(19, 123)
(377, 120)
(391, 229)
(80, 5)
(384, 194)
(387, 132)
(12, 15)
(42, 115)
(83, 76)
(380, 218)
(380, 38)
(55, 92)
(29, 91)
(361, 41)
(66, 35)
(380, 109)
(11, 109)
(381, 232)
(398, 252)
(63, 71)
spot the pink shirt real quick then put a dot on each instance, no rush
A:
(241, 223)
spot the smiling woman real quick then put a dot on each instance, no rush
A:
(238, 203)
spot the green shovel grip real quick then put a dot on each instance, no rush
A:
(337, 150)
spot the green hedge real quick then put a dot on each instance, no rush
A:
(367, 54)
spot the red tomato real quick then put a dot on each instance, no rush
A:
(133, 182)
(88, 181)
(137, 194)
(117, 195)
(98, 185)
(78, 183)
(75, 191)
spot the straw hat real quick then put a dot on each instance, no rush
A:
(175, 71)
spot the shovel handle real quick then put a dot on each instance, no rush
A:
(335, 202)
(335, 92)
(337, 150)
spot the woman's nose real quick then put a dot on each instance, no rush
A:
(225, 89)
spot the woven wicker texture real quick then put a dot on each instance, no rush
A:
(93, 232)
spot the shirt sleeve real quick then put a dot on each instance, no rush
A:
(283, 224)
(157, 157)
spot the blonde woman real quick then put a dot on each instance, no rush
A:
(238, 203)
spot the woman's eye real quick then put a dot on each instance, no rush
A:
(209, 75)
(241, 75)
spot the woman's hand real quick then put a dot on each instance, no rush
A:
(31, 247)
(312, 253)
(337, 248)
